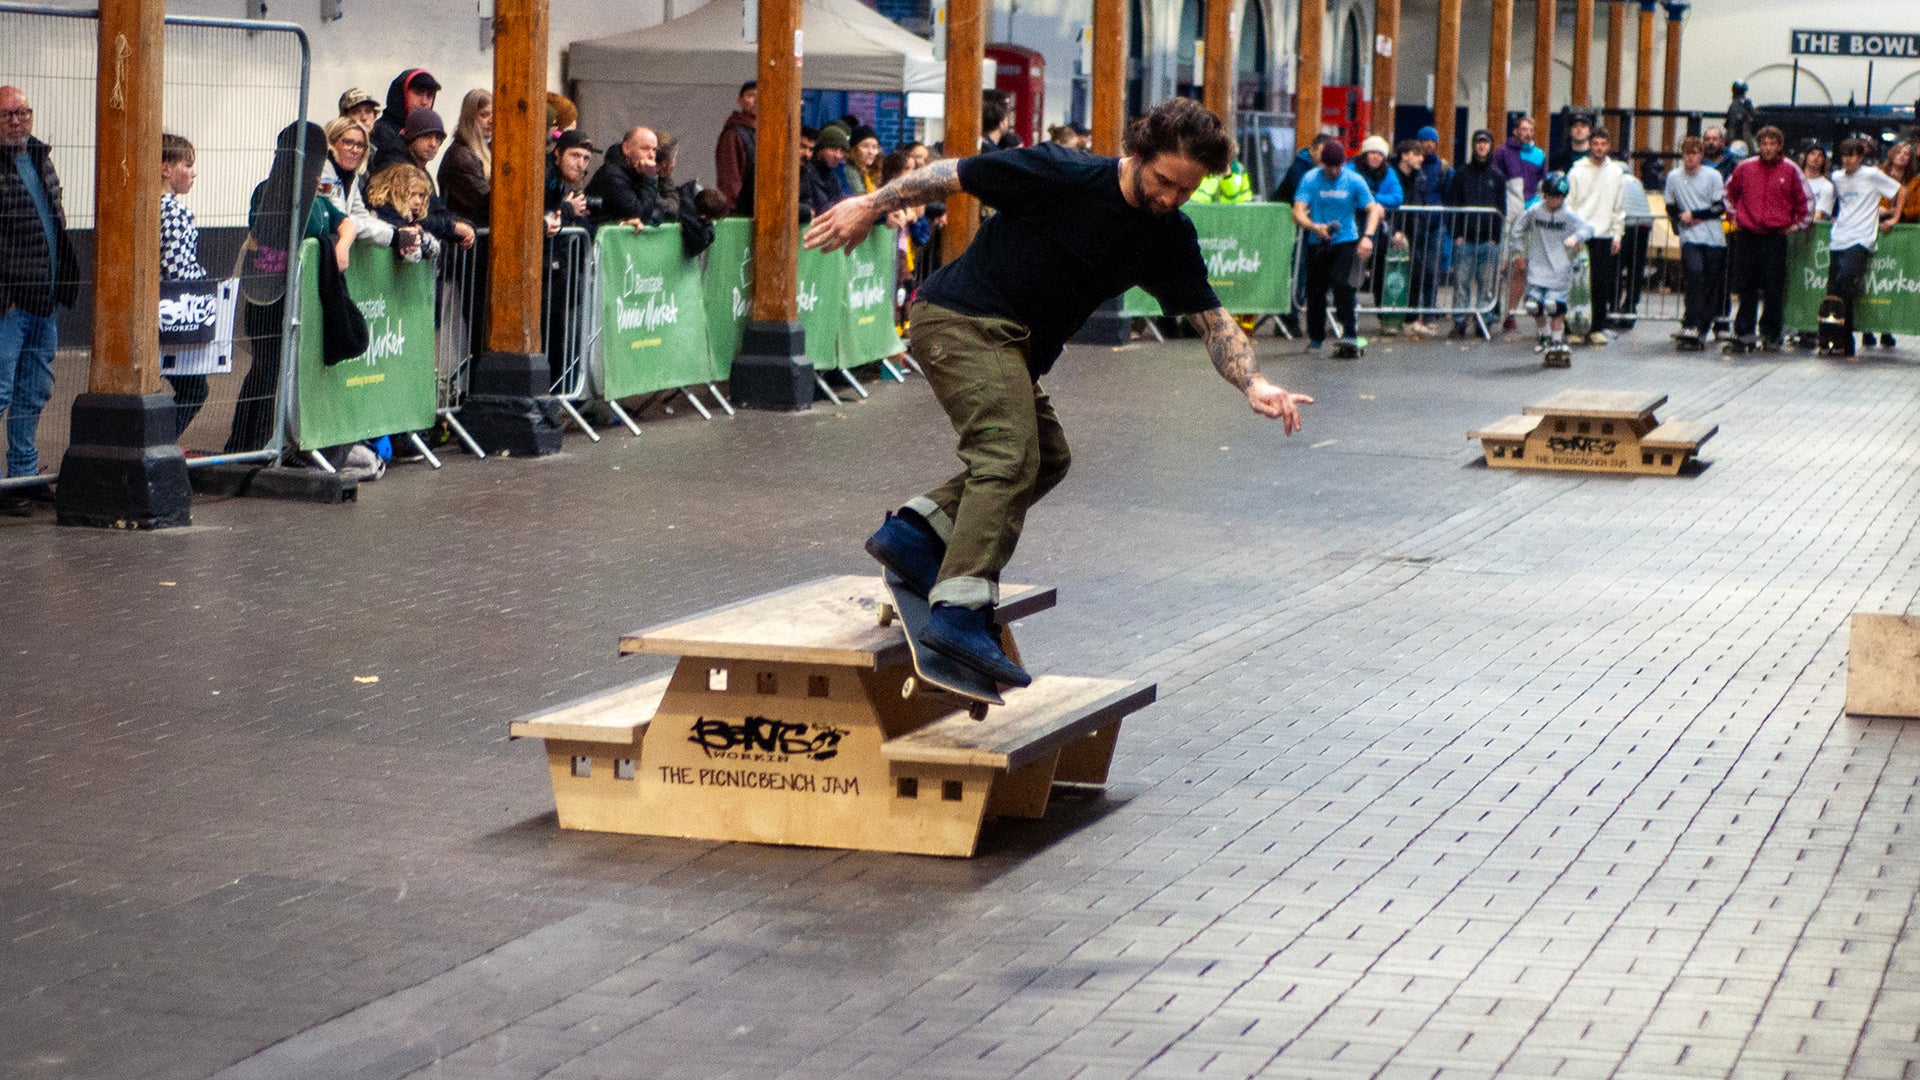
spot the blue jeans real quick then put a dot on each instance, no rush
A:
(27, 343)
(1476, 266)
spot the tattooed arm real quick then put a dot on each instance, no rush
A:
(1232, 355)
(847, 222)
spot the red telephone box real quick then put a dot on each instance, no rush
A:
(1022, 72)
(1346, 110)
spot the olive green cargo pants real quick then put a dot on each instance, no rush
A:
(1010, 441)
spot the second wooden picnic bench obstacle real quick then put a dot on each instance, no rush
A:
(1594, 431)
(792, 718)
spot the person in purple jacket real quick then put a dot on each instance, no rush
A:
(1520, 165)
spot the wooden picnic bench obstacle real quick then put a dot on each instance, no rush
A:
(1594, 431)
(791, 719)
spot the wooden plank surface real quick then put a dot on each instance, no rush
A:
(1883, 665)
(1599, 404)
(1679, 435)
(1036, 720)
(832, 620)
(615, 716)
(1507, 427)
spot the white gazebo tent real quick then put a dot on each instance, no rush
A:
(682, 76)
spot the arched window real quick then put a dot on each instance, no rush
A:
(1352, 51)
(1136, 57)
(1256, 88)
(1186, 78)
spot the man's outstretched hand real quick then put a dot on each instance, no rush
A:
(1277, 403)
(843, 225)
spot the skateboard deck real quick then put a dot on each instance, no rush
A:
(1349, 348)
(929, 667)
(1580, 297)
(1834, 337)
(1557, 355)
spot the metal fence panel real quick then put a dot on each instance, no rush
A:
(230, 87)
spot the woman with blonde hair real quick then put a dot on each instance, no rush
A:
(343, 181)
(466, 169)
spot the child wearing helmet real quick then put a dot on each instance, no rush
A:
(1548, 234)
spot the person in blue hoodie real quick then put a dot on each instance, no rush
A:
(1376, 168)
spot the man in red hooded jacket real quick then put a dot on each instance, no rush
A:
(733, 155)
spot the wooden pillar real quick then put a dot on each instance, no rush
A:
(1582, 95)
(1386, 65)
(1218, 87)
(1499, 66)
(1616, 46)
(1670, 92)
(966, 48)
(776, 166)
(1109, 76)
(1543, 26)
(515, 266)
(1307, 73)
(1643, 76)
(1446, 76)
(121, 468)
(126, 271)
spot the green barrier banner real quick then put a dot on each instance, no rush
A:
(728, 285)
(1890, 302)
(391, 388)
(653, 328)
(1248, 248)
(822, 284)
(867, 332)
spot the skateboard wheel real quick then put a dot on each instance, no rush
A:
(977, 710)
(887, 615)
(909, 686)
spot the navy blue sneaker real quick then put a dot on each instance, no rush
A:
(908, 546)
(968, 636)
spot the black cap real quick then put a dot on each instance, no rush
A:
(423, 80)
(1481, 135)
(570, 139)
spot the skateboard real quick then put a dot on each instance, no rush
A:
(931, 671)
(1557, 355)
(1686, 342)
(1733, 346)
(1580, 297)
(1834, 337)
(1393, 289)
(1350, 348)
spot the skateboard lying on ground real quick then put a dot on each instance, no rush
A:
(1350, 348)
(930, 669)
(1558, 354)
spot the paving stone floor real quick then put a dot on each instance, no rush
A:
(1455, 772)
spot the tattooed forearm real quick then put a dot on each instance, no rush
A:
(917, 188)
(1230, 350)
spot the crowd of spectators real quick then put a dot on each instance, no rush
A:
(370, 175)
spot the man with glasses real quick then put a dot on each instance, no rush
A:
(37, 271)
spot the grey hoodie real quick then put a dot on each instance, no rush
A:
(1542, 234)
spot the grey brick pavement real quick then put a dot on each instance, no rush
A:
(1455, 772)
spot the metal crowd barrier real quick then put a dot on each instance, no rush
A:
(51, 53)
(570, 303)
(1454, 266)
(460, 330)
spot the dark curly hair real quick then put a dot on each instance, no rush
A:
(1181, 126)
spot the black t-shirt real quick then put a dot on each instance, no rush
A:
(1063, 241)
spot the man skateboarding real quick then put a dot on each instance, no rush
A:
(1071, 231)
